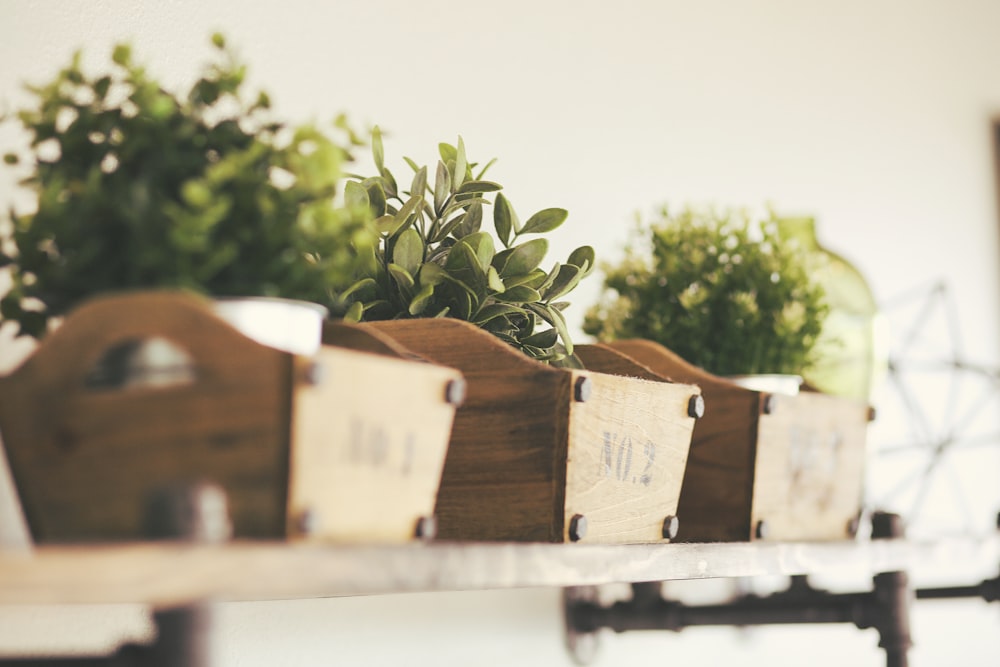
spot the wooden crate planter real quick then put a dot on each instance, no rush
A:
(765, 465)
(546, 454)
(341, 445)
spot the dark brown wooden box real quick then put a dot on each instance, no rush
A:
(765, 465)
(548, 454)
(342, 445)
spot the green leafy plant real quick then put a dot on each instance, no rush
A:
(725, 291)
(435, 260)
(138, 187)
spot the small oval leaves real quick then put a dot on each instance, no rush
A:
(545, 221)
(363, 290)
(355, 312)
(376, 197)
(419, 184)
(386, 224)
(447, 152)
(482, 244)
(520, 294)
(461, 166)
(495, 310)
(461, 256)
(567, 278)
(583, 257)
(502, 225)
(463, 304)
(421, 300)
(409, 251)
(504, 219)
(559, 322)
(442, 187)
(406, 215)
(463, 205)
(442, 233)
(355, 194)
(543, 339)
(435, 259)
(378, 152)
(535, 279)
(402, 277)
(463, 265)
(525, 258)
(389, 183)
(472, 222)
(493, 281)
(431, 274)
(479, 186)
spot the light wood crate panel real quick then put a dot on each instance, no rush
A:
(521, 437)
(739, 471)
(628, 445)
(809, 475)
(368, 444)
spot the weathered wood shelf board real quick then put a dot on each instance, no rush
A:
(176, 573)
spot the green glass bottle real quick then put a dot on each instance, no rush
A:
(849, 354)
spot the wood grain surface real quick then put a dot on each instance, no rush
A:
(86, 458)
(628, 449)
(369, 438)
(717, 490)
(794, 463)
(505, 474)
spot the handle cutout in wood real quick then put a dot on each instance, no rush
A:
(141, 363)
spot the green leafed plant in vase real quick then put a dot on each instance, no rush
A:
(165, 196)
(702, 296)
(138, 187)
(435, 259)
(724, 290)
(532, 447)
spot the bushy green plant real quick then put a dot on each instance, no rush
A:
(435, 260)
(724, 290)
(138, 187)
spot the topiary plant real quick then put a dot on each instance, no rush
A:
(725, 291)
(140, 188)
(435, 260)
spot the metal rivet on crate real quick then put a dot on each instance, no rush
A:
(762, 530)
(887, 525)
(577, 527)
(197, 512)
(696, 406)
(454, 391)
(307, 522)
(315, 373)
(769, 404)
(426, 528)
(671, 526)
(853, 525)
(582, 389)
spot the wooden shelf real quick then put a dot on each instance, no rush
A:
(162, 574)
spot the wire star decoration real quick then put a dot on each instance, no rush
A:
(934, 444)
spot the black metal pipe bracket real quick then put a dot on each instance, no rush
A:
(885, 608)
(196, 512)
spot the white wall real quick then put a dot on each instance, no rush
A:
(872, 116)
